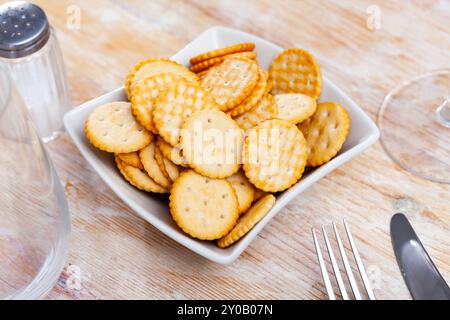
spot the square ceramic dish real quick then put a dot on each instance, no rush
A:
(154, 209)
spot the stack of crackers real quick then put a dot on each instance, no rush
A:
(221, 137)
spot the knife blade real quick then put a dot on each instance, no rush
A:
(421, 276)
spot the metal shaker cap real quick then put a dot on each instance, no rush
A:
(24, 29)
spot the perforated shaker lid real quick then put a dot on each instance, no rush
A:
(24, 29)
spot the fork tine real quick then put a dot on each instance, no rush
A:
(348, 269)
(337, 272)
(359, 263)
(323, 269)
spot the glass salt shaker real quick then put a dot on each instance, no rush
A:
(29, 51)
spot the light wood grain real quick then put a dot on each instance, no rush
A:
(122, 256)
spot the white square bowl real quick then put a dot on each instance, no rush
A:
(154, 209)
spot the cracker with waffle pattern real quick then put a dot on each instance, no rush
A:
(177, 104)
(266, 109)
(206, 64)
(139, 178)
(151, 67)
(295, 107)
(231, 81)
(111, 127)
(253, 99)
(202, 207)
(325, 132)
(248, 220)
(240, 47)
(274, 155)
(296, 71)
(144, 96)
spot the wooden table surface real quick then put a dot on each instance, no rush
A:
(116, 255)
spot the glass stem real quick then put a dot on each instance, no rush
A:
(443, 113)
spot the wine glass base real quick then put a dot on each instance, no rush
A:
(415, 128)
(53, 136)
(443, 113)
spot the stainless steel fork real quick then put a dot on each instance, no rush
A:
(348, 269)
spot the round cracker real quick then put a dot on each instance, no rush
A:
(240, 47)
(231, 81)
(296, 71)
(111, 127)
(168, 168)
(325, 132)
(266, 109)
(160, 161)
(295, 107)
(131, 159)
(245, 191)
(139, 178)
(173, 171)
(151, 166)
(253, 99)
(212, 142)
(202, 207)
(255, 214)
(204, 65)
(174, 154)
(151, 67)
(175, 105)
(274, 155)
(144, 96)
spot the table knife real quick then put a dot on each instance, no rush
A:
(421, 276)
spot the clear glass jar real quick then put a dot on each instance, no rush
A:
(29, 50)
(34, 216)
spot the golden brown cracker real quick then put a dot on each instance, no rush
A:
(296, 71)
(145, 94)
(111, 127)
(168, 168)
(248, 220)
(205, 65)
(294, 107)
(253, 99)
(174, 154)
(266, 109)
(325, 132)
(139, 178)
(160, 161)
(245, 191)
(153, 67)
(151, 166)
(202, 207)
(240, 47)
(177, 104)
(274, 155)
(131, 159)
(231, 81)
